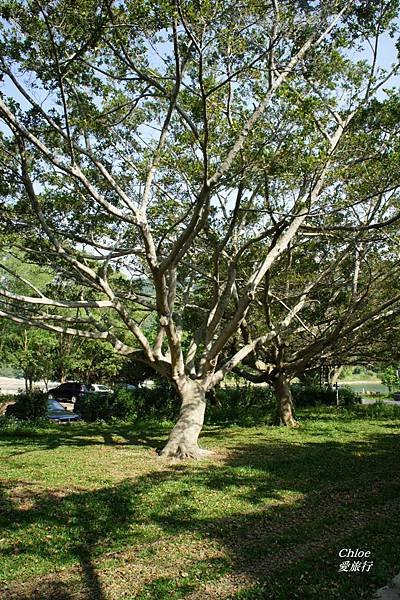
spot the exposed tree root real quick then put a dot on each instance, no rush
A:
(183, 451)
(280, 422)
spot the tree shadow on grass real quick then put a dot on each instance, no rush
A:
(280, 513)
(71, 530)
(78, 435)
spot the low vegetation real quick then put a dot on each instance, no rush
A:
(87, 511)
(246, 405)
(31, 405)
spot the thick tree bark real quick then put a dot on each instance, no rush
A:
(284, 406)
(336, 372)
(182, 442)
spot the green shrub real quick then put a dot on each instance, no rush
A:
(94, 407)
(24, 426)
(29, 406)
(377, 410)
(313, 395)
(245, 405)
(348, 397)
(161, 402)
(126, 404)
(235, 404)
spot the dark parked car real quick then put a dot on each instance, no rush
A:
(57, 413)
(396, 396)
(70, 391)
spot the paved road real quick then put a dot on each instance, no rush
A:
(12, 385)
(374, 401)
(391, 591)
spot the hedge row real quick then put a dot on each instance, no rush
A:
(132, 405)
(313, 395)
(244, 404)
(235, 404)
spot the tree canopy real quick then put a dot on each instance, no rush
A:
(166, 162)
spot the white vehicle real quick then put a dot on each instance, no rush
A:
(99, 387)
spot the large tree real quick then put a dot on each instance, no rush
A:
(164, 156)
(350, 312)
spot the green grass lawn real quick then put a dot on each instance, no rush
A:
(90, 512)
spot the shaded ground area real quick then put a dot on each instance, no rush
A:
(89, 512)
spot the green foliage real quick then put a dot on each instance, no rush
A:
(160, 402)
(376, 410)
(313, 395)
(76, 163)
(94, 407)
(29, 351)
(6, 370)
(134, 372)
(39, 354)
(348, 397)
(30, 406)
(91, 361)
(245, 405)
(241, 404)
(4, 399)
(390, 378)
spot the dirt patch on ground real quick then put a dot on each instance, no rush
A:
(116, 575)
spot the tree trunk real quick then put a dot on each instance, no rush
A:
(337, 371)
(182, 442)
(284, 406)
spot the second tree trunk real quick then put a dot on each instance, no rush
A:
(284, 405)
